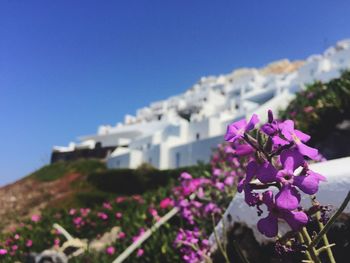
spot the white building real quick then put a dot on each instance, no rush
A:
(182, 130)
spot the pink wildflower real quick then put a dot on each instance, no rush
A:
(107, 205)
(36, 218)
(29, 243)
(121, 235)
(110, 250)
(72, 211)
(118, 215)
(103, 216)
(120, 199)
(138, 198)
(77, 221)
(140, 252)
(57, 242)
(3, 251)
(308, 109)
(84, 211)
(154, 213)
(166, 202)
(8, 242)
(137, 237)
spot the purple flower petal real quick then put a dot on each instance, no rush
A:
(186, 176)
(309, 183)
(252, 169)
(235, 130)
(288, 198)
(268, 226)
(230, 133)
(270, 116)
(251, 124)
(229, 180)
(279, 141)
(250, 197)
(296, 220)
(269, 129)
(241, 185)
(266, 173)
(302, 136)
(243, 149)
(267, 198)
(291, 159)
(240, 125)
(287, 129)
(312, 153)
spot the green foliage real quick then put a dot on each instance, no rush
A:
(55, 171)
(319, 108)
(135, 215)
(128, 181)
(99, 185)
(50, 172)
(90, 198)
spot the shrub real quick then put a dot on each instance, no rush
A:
(55, 171)
(319, 108)
(129, 181)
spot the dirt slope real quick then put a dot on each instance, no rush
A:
(29, 196)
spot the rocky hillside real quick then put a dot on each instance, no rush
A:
(51, 185)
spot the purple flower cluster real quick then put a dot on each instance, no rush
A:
(189, 197)
(194, 200)
(192, 245)
(279, 160)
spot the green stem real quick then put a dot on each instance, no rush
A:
(249, 139)
(312, 250)
(330, 222)
(326, 246)
(224, 231)
(307, 253)
(223, 252)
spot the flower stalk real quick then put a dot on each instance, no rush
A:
(326, 228)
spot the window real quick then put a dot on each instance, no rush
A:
(150, 160)
(177, 160)
(197, 136)
(118, 163)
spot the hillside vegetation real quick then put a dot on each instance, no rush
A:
(53, 192)
(90, 200)
(323, 111)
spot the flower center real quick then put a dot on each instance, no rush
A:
(295, 138)
(287, 177)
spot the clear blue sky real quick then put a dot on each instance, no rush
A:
(68, 66)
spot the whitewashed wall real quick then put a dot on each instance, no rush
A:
(131, 159)
(331, 192)
(192, 153)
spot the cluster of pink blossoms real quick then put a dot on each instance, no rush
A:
(280, 152)
(194, 198)
(193, 246)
